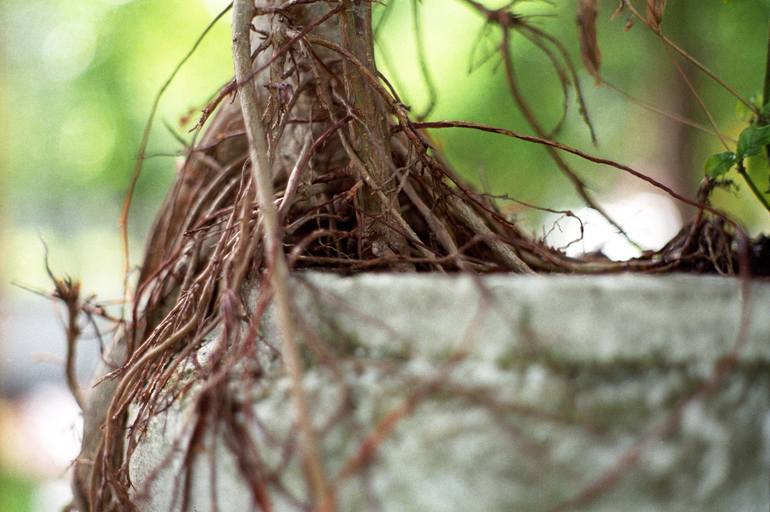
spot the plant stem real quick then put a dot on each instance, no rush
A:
(766, 88)
(762, 120)
(758, 193)
(243, 13)
(370, 134)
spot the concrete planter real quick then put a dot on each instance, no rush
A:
(525, 391)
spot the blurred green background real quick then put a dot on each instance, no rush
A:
(78, 79)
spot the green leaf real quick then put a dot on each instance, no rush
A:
(752, 140)
(720, 163)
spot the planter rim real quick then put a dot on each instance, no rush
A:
(671, 319)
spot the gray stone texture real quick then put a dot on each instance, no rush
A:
(526, 390)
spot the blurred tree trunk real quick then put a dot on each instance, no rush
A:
(679, 144)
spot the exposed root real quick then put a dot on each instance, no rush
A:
(346, 181)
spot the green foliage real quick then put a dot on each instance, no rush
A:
(78, 80)
(15, 492)
(752, 140)
(719, 164)
(80, 77)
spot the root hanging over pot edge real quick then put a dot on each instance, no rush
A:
(359, 186)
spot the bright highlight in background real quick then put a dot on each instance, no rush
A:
(45, 437)
(40, 436)
(650, 219)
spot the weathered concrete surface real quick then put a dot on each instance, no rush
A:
(562, 375)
